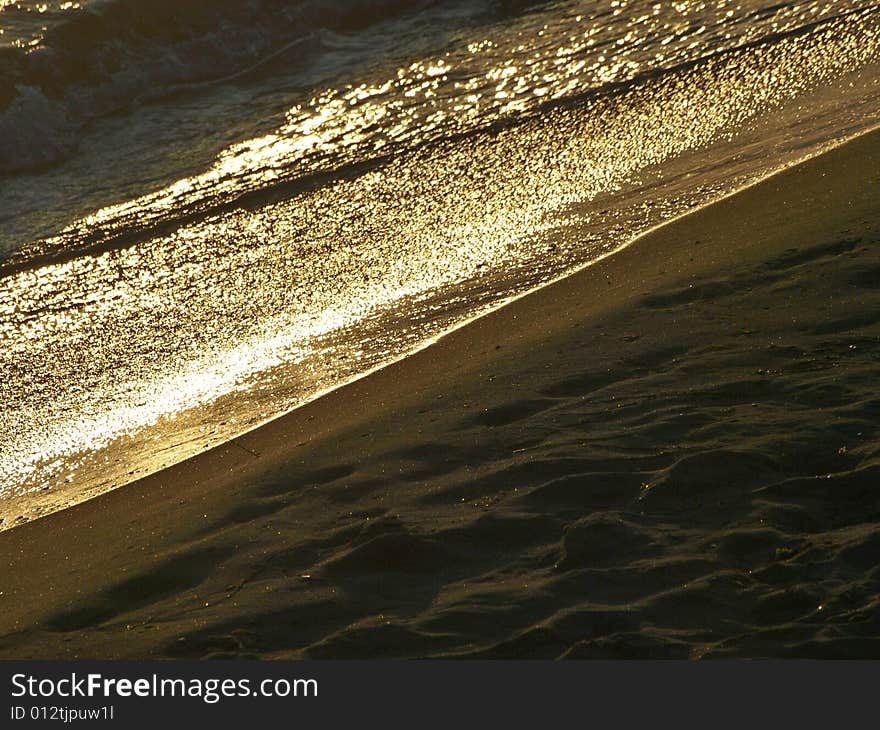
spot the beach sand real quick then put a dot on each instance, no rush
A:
(673, 453)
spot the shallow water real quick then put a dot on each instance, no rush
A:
(207, 223)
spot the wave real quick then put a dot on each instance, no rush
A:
(112, 55)
(145, 220)
(109, 55)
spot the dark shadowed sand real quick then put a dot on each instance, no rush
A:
(674, 453)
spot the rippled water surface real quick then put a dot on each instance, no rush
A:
(215, 217)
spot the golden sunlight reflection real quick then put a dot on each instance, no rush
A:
(465, 88)
(271, 298)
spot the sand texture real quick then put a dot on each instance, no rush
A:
(674, 453)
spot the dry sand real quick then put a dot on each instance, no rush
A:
(674, 453)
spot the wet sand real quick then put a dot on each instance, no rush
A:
(673, 453)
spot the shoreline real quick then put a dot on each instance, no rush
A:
(26, 503)
(171, 564)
